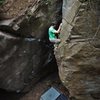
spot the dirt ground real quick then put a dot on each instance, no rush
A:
(37, 90)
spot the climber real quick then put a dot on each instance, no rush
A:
(52, 33)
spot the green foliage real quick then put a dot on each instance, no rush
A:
(2, 1)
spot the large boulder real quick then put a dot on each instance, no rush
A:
(32, 17)
(78, 55)
(24, 49)
(19, 60)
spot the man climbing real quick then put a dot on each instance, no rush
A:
(52, 33)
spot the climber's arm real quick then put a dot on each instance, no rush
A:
(58, 31)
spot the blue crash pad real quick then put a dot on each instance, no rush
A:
(51, 94)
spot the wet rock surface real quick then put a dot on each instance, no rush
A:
(78, 56)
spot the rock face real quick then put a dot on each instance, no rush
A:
(19, 59)
(23, 15)
(78, 55)
(23, 52)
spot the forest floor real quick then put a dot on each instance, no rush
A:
(37, 90)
